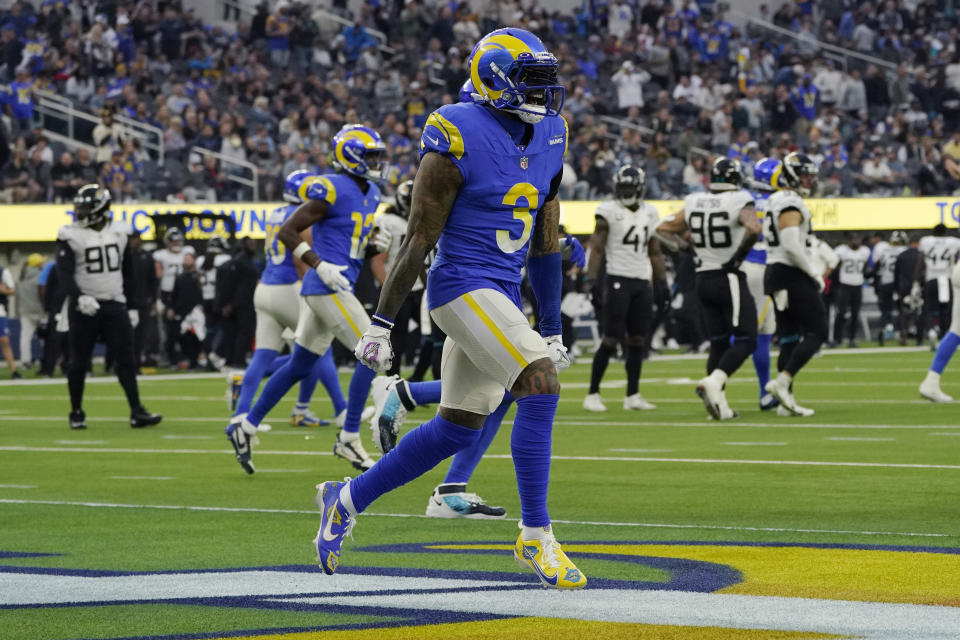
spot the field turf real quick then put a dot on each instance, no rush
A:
(846, 524)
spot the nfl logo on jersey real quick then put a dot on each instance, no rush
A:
(524, 162)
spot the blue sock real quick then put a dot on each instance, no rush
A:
(530, 446)
(278, 362)
(252, 377)
(357, 396)
(761, 361)
(417, 452)
(425, 392)
(296, 369)
(327, 369)
(944, 352)
(466, 460)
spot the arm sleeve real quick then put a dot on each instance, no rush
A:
(129, 280)
(546, 280)
(66, 265)
(790, 240)
(554, 186)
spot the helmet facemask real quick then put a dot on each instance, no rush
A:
(629, 187)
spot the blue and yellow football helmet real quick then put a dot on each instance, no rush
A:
(512, 70)
(358, 150)
(767, 173)
(291, 186)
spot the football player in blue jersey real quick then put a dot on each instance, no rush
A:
(766, 178)
(277, 302)
(338, 209)
(487, 190)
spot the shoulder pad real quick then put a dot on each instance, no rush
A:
(318, 188)
(739, 200)
(66, 232)
(441, 134)
(605, 209)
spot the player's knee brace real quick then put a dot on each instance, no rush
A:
(610, 342)
(635, 342)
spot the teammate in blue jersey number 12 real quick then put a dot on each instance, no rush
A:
(338, 209)
(277, 302)
(486, 189)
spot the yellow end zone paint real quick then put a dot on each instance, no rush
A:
(545, 627)
(810, 572)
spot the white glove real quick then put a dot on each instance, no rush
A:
(558, 352)
(382, 240)
(87, 305)
(331, 276)
(134, 317)
(374, 349)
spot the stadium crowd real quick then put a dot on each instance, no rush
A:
(663, 85)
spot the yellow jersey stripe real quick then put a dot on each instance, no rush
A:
(495, 330)
(346, 315)
(450, 131)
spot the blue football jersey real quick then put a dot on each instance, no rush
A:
(279, 269)
(758, 253)
(341, 237)
(484, 243)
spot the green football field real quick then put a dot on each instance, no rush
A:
(845, 524)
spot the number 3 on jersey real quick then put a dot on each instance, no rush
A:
(531, 196)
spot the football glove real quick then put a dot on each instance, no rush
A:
(87, 305)
(382, 240)
(558, 352)
(330, 274)
(577, 255)
(134, 317)
(374, 349)
(819, 282)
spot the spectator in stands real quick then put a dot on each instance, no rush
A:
(21, 102)
(107, 136)
(65, 178)
(18, 185)
(80, 86)
(629, 85)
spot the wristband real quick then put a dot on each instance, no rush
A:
(301, 249)
(381, 321)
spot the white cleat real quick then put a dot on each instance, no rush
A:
(932, 392)
(340, 419)
(349, 447)
(711, 392)
(379, 389)
(389, 412)
(637, 403)
(800, 412)
(783, 394)
(593, 402)
(367, 413)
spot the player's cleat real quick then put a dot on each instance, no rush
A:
(234, 382)
(637, 403)
(16, 375)
(453, 501)
(594, 403)
(340, 419)
(768, 402)
(367, 414)
(306, 419)
(549, 562)
(389, 412)
(241, 445)
(336, 523)
(349, 447)
(784, 395)
(711, 392)
(931, 391)
(934, 338)
(798, 412)
(142, 418)
(78, 419)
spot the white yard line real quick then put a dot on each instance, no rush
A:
(942, 433)
(142, 478)
(500, 456)
(756, 444)
(640, 450)
(79, 442)
(862, 439)
(18, 486)
(592, 523)
(185, 437)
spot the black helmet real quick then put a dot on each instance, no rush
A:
(404, 198)
(899, 239)
(726, 174)
(796, 167)
(173, 236)
(217, 244)
(90, 205)
(629, 185)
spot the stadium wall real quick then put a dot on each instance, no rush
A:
(39, 222)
